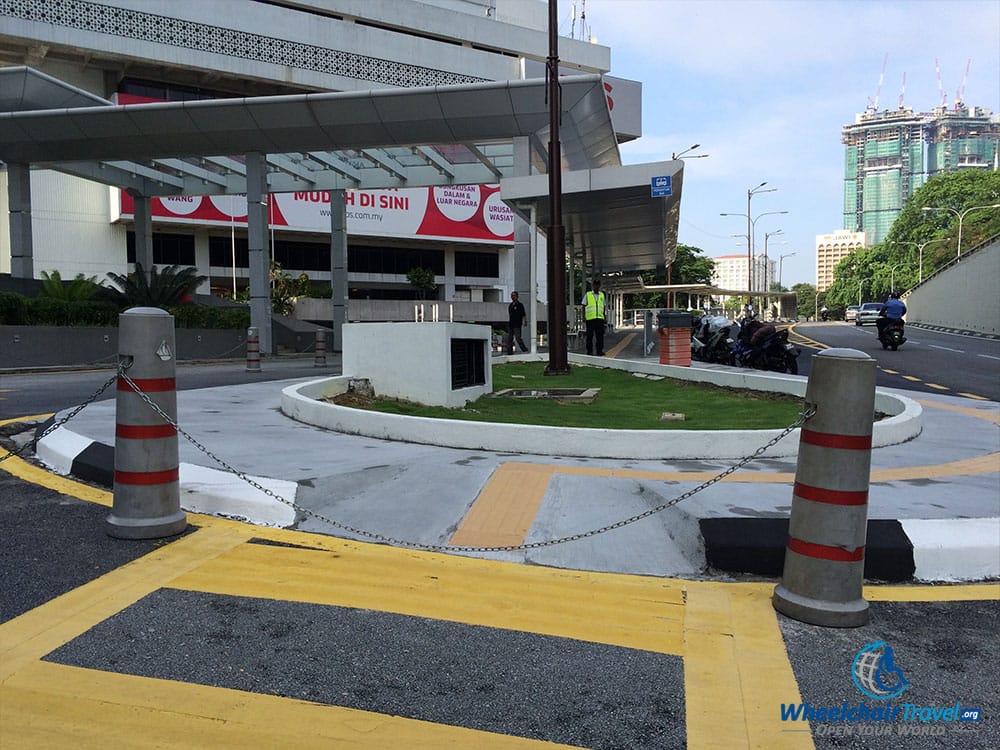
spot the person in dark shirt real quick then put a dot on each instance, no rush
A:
(516, 316)
(894, 309)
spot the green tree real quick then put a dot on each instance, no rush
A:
(285, 290)
(81, 288)
(806, 300)
(169, 287)
(422, 281)
(689, 267)
(897, 261)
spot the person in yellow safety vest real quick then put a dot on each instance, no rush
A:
(593, 313)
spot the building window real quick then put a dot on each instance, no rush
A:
(168, 249)
(483, 265)
(220, 252)
(393, 260)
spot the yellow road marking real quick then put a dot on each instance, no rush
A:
(734, 656)
(890, 372)
(621, 610)
(938, 387)
(20, 468)
(620, 346)
(966, 592)
(35, 633)
(505, 509)
(973, 395)
(55, 706)
(911, 378)
(989, 416)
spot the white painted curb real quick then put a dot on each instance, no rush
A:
(959, 549)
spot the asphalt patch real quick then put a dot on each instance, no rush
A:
(508, 682)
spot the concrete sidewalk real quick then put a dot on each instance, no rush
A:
(934, 503)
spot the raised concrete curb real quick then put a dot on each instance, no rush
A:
(960, 549)
(202, 489)
(305, 402)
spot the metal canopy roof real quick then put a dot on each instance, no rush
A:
(406, 137)
(327, 140)
(611, 219)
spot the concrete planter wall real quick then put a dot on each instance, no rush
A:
(303, 402)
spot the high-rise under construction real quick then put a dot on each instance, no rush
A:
(889, 154)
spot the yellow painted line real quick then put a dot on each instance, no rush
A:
(968, 592)
(504, 511)
(620, 346)
(31, 418)
(55, 706)
(890, 372)
(938, 387)
(35, 633)
(20, 468)
(616, 609)
(973, 395)
(735, 657)
(911, 378)
(989, 416)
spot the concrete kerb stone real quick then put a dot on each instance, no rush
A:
(306, 402)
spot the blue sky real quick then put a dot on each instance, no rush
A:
(765, 87)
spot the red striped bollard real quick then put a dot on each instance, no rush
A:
(320, 359)
(147, 477)
(825, 555)
(253, 350)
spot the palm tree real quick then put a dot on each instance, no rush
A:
(171, 286)
(79, 289)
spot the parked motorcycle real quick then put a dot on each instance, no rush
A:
(712, 339)
(764, 347)
(891, 336)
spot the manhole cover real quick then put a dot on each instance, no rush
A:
(567, 395)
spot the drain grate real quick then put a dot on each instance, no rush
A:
(566, 395)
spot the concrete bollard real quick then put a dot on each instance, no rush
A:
(320, 358)
(146, 487)
(825, 555)
(253, 350)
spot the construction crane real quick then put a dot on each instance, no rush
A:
(873, 104)
(960, 94)
(944, 98)
(902, 92)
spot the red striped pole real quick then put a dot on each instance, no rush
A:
(825, 554)
(253, 350)
(320, 359)
(147, 478)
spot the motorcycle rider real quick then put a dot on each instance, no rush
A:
(824, 313)
(892, 310)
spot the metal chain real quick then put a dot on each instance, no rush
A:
(56, 425)
(803, 417)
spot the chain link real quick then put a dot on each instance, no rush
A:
(803, 417)
(122, 367)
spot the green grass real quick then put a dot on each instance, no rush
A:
(626, 402)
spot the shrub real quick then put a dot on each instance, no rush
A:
(13, 309)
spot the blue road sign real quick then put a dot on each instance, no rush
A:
(659, 187)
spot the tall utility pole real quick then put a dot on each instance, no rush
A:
(556, 255)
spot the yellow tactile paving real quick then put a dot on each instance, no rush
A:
(506, 508)
(55, 706)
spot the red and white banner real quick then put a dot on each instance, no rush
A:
(464, 212)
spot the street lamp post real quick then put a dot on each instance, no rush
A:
(781, 260)
(751, 192)
(861, 283)
(692, 148)
(920, 252)
(961, 216)
(768, 235)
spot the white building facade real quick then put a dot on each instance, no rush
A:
(830, 250)
(132, 51)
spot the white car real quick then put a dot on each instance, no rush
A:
(868, 313)
(852, 312)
